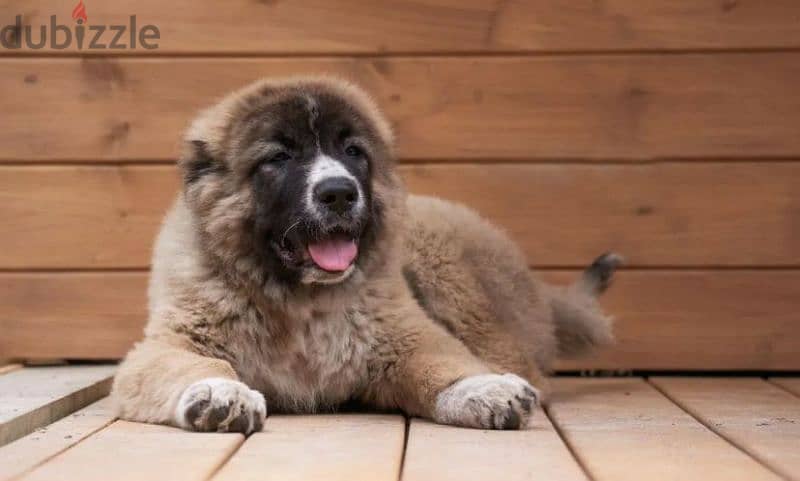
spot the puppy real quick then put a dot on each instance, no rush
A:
(293, 271)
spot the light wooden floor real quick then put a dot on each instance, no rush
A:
(57, 424)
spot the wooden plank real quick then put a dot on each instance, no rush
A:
(791, 384)
(72, 315)
(429, 25)
(9, 367)
(446, 453)
(636, 107)
(109, 214)
(721, 320)
(34, 397)
(330, 447)
(664, 319)
(657, 215)
(133, 451)
(26, 453)
(759, 418)
(623, 429)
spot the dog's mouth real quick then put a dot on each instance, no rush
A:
(334, 251)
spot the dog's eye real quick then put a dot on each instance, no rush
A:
(280, 157)
(274, 159)
(353, 151)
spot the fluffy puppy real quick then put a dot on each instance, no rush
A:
(293, 271)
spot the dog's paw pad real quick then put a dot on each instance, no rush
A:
(488, 401)
(217, 404)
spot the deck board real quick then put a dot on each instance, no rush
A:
(332, 447)
(624, 429)
(7, 368)
(126, 451)
(761, 419)
(447, 453)
(791, 384)
(36, 396)
(615, 429)
(32, 450)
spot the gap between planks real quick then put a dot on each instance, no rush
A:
(789, 384)
(27, 453)
(755, 416)
(619, 429)
(623, 429)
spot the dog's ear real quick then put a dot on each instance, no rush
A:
(197, 162)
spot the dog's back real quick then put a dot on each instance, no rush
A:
(472, 278)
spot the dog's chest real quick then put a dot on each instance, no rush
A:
(320, 361)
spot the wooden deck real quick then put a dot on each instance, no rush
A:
(57, 424)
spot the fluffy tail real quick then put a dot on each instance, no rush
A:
(580, 324)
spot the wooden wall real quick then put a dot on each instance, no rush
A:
(667, 130)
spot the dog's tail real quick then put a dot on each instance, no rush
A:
(580, 324)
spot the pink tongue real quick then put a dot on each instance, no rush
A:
(333, 254)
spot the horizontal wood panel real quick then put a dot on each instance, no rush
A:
(706, 320)
(656, 215)
(83, 216)
(242, 26)
(625, 430)
(71, 315)
(588, 107)
(664, 319)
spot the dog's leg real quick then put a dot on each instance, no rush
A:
(160, 383)
(426, 372)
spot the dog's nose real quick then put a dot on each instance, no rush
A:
(338, 194)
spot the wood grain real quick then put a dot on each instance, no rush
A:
(110, 215)
(71, 315)
(126, 451)
(623, 429)
(634, 107)
(26, 453)
(332, 447)
(34, 397)
(446, 453)
(759, 418)
(315, 26)
(656, 215)
(664, 319)
(706, 320)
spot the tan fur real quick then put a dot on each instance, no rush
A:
(443, 297)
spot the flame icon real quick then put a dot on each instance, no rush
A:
(79, 12)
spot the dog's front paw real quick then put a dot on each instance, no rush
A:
(488, 401)
(224, 405)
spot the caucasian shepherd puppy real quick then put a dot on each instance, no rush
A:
(293, 273)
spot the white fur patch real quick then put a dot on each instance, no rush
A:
(322, 168)
(489, 401)
(220, 393)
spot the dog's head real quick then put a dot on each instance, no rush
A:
(293, 181)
